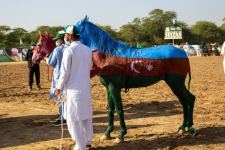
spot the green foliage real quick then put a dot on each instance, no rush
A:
(4, 29)
(109, 30)
(147, 31)
(207, 31)
(34, 35)
(3, 36)
(222, 27)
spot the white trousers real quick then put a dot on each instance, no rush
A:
(81, 132)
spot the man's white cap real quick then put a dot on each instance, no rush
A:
(69, 30)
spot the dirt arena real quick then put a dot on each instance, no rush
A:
(153, 114)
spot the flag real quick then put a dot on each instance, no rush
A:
(138, 45)
(21, 42)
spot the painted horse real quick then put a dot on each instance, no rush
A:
(120, 66)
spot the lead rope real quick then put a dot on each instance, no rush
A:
(62, 99)
(50, 74)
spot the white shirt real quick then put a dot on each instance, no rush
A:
(223, 50)
(75, 79)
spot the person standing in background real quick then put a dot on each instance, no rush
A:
(34, 57)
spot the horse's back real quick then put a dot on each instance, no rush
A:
(160, 52)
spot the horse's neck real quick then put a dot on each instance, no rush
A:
(96, 38)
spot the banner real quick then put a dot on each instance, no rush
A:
(12, 54)
(173, 33)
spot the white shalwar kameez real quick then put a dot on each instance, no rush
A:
(75, 78)
(223, 53)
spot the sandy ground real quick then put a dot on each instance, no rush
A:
(153, 114)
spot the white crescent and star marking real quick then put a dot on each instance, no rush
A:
(132, 65)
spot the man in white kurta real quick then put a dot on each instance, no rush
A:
(75, 79)
(223, 53)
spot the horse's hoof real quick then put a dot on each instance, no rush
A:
(181, 131)
(118, 140)
(105, 137)
(192, 132)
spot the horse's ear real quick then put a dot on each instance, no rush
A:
(81, 22)
(86, 19)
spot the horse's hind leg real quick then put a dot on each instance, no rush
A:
(177, 85)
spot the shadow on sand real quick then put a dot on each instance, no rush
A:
(205, 136)
(16, 131)
(147, 109)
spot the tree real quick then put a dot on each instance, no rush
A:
(222, 28)
(13, 38)
(50, 30)
(3, 30)
(55, 29)
(187, 35)
(2, 41)
(147, 31)
(43, 29)
(156, 23)
(129, 33)
(207, 31)
(26, 40)
(223, 19)
(132, 33)
(109, 30)
(34, 35)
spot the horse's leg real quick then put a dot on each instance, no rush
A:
(177, 85)
(111, 109)
(116, 97)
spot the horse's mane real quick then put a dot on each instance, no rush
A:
(97, 39)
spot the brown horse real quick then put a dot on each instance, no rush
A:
(47, 44)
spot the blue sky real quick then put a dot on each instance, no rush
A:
(30, 14)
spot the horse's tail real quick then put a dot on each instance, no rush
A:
(189, 80)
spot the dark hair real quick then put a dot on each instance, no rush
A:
(76, 36)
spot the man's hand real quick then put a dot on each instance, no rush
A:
(46, 60)
(57, 92)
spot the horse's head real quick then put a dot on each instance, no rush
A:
(47, 44)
